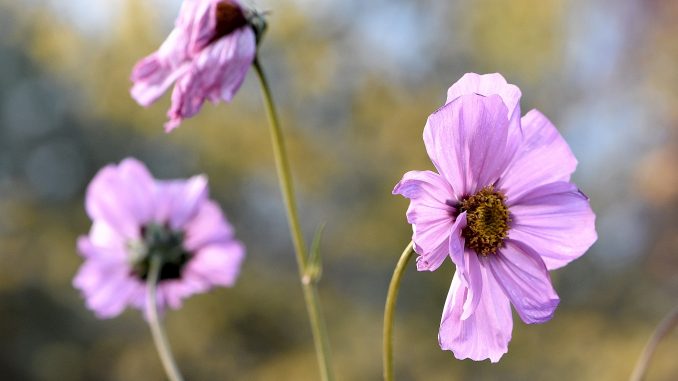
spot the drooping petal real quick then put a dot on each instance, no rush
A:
(555, 220)
(466, 141)
(216, 73)
(430, 214)
(485, 334)
(543, 157)
(522, 275)
(154, 74)
(179, 201)
(122, 196)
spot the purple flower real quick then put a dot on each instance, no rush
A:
(501, 206)
(135, 217)
(207, 54)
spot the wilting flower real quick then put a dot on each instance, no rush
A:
(207, 54)
(135, 217)
(501, 206)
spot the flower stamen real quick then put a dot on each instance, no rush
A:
(159, 241)
(487, 218)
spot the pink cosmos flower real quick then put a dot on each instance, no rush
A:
(135, 217)
(207, 54)
(501, 206)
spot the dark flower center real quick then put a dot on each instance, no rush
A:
(229, 18)
(487, 220)
(160, 241)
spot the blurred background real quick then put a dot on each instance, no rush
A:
(355, 81)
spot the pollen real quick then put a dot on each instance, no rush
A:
(487, 220)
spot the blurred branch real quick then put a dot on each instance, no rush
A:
(663, 329)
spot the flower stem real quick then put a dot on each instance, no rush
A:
(318, 329)
(389, 309)
(159, 337)
(663, 329)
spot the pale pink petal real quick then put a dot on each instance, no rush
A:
(471, 274)
(217, 264)
(522, 275)
(239, 64)
(483, 335)
(179, 201)
(216, 73)
(201, 22)
(430, 213)
(466, 141)
(493, 84)
(486, 85)
(106, 288)
(122, 196)
(208, 227)
(555, 220)
(154, 74)
(543, 157)
(457, 240)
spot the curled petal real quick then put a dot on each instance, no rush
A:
(486, 85)
(485, 334)
(522, 275)
(430, 214)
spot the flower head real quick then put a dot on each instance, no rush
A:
(134, 218)
(207, 54)
(501, 206)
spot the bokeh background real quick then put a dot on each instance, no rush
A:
(355, 81)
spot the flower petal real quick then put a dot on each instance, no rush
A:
(122, 196)
(217, 264)
(107, 288)
(522, 275)
(179, 201)
(208, 227)
(483, 335)
(154, 74)
(543, 157)
(466, 141)
(430, 214)
(555, 220)
(472, 274)
(486, 85)
(216, 73)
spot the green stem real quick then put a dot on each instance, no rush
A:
(318, 329)
(389, 309)
(159, 337)
(662, 330)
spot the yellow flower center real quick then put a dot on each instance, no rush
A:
(487, 220)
